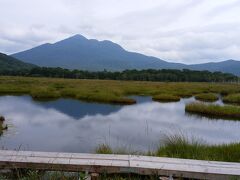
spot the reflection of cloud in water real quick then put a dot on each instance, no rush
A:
(138, 127)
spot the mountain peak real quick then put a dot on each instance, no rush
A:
(232, 60)
(72, 40)
(77, 37)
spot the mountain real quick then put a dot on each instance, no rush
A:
(78, 52)
(8, 63)
(229, 66)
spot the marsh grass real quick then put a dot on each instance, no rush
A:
(232, 98)
(42, 93)
(181, 146)
(178, 146)
(214, 111)
(28, 174)
(104, 149)
(107, 149)
(208, 97)
(108, 91)
(166, 98)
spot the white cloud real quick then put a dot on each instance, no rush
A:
(189, 31)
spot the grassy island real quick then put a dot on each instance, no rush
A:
(214, 111)
(166, 98)
(208, 97)
(232, 98)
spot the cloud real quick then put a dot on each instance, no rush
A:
(186, 31)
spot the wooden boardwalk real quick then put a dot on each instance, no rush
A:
(99, 163)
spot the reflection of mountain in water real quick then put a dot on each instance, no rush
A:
(78, 109)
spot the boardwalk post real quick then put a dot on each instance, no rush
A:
(94, 176)
(87, 176)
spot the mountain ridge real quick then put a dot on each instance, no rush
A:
(8, 63)
(78, 52)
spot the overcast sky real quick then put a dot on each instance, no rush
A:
(188, 31)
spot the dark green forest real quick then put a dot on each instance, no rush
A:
(9, 64)
(163, 75)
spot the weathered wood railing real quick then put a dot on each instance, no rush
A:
(99, 163)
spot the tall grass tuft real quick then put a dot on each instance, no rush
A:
(104, 149)
(178, 146)
(107, 149)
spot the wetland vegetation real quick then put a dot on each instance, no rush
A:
(209, 97)
(166, 98)
(108, 91)
(232, 98)
(214, 111)
(180, 146)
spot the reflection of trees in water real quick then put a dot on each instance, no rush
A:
(2, 126)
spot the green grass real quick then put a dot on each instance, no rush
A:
(28, 174)
(214, 111)
(180, 147)
(232, 98)
(42, 93)
(104, 149)
(209, 97)
(166, 98)
(107, 91)
(107, 149)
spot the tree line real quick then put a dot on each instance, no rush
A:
(164, 75)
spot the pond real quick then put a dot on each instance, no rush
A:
(67, 125)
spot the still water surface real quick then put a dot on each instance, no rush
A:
(67, 125)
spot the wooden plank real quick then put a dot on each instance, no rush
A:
(188, 168)
(118, 164)
(152, 162)
(62, 155)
